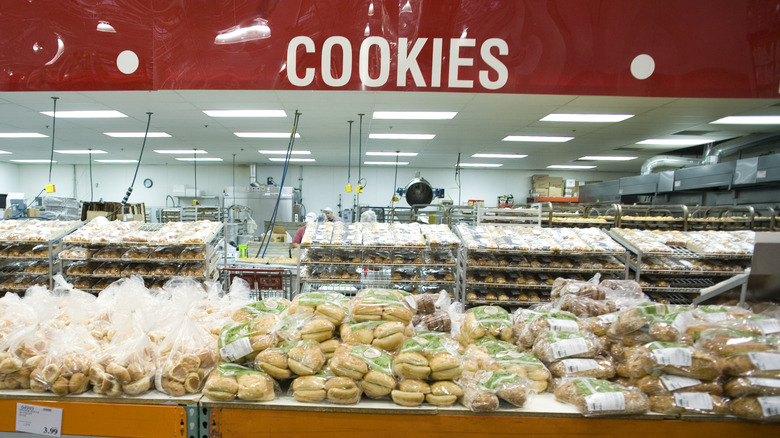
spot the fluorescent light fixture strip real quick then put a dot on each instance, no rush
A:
(391, 154)
(100, 114)
(480, 165)
(414, 115)
(22, 135)
(116, 161)
(586, 118)
(283, 152)
(180, 151)
(32, 161)
(4, 152)
(537, 138)
(569, 166)
(199, 159)
(499, 156)
(137, 134)
(675, 141)
(748, 120)
(382, 136)
(80, 151)
(385, 163)
(245, 113)
(605, 158)
(265, 134)
(300, 160)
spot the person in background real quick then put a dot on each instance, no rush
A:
(310, 217)
(330, 217)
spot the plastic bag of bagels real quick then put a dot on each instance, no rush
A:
(230, 381)
(20, 353)
(65, 367)
(485, 321)
(482, 390)
(600, 397)
(331, 306)
(186, 357)
(126, 366)
(301, 358)
(382, 304)
(387, 335)
(371, 367)
(428, 354)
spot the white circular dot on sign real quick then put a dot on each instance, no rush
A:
(642, 66)
(127, 62)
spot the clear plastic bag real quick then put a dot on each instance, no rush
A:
(381, 304)
(65, 368)
(482, 390)
(593, 397)
(486, 321)
(231, 381)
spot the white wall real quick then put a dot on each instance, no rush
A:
(320, 185)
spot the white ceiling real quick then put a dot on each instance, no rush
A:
(483, 120)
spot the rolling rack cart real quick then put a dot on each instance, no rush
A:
(263, 282)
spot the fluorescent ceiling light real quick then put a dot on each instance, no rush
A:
(199, 159)
(569, 166)
(116, 161)
(387, 163)
(749, 120)
(537, 138)
(392, 154)
(414, 115)
(300, 160)
(102, 114)
(480, 165)
(180, 151)
(245, 113)
(4, 152)
(283, 152)
(605, 158)
(32, 161)
(21, 135)
(136, 134)
(265, 134)
(590, 118)
(675, 141)
(80, 151)
(499, 156)
(402, 136)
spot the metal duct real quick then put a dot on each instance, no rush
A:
(713, 156)
(667, 161)
(253, 176)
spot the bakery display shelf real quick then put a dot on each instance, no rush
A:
(375, 247)
(210, 240)
(531, 269)
(687, 273)
(52, 239)
(534, 252)
(377, 281)
(672, 297)
(516, 303)
(382, 265)
(472, 285)
(683, 252)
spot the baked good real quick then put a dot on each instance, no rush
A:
(600, 368)
(666, 383)
(274, 362)
(689, 402)
(752, 386)
(342, 390)
(306, 358)
(309, 389)
(763, 408)
(600, 397)
(756, 364)
(729, 341)
(347, 366)
(443, 393)
(670, 358)
(559, 345)
(445, 366)
(411, 366)
(380, 304)
(406, 398)
(486, 321)
(326, 305)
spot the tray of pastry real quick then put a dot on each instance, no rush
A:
(503, 296)
(26, 252)
(681, 251)
(17, 283)
(34, 231)
(689, 285)
(138, 254)
(25, 268)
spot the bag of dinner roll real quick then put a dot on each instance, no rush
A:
(481, 389)
(371, 367)
(600, 397)
(126, 366)
(187, 356)
(65, 368)
(382, 304)
(304, 326)
(231, 381)
(328, 305)
(507, 358)
(387, 335)
(486, 321)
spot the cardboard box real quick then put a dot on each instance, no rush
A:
(541, 185)
(556, 181)
(541, 192)
(131, 212)
(555, 192)
(278, 237)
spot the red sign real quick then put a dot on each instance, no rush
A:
(696, 48)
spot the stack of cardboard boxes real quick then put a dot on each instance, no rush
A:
(554, 186)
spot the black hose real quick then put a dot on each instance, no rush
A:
(137, 165)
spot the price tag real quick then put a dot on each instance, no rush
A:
(673, 383)
(569, 347)
(760, 381)
(770, 406)
(606, 401)
(767, 326)
(579, 365)
(678, 357)
(236, 350)
(700, 401)
(563, 325)
(40, 420)
(765, 361)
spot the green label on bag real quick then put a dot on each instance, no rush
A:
(365, 325)
(595, 386)
(729, 333)
(557, 336)
(317, 298)
(492, 316)
(285, 348)
(496, 380)
(232, 369)
(381, 296)
(712, 309)
(658, 345)
(376, 359)
(427, 341)
(232, 332)
(269, 306)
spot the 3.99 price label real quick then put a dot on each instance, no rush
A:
(41, 420)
